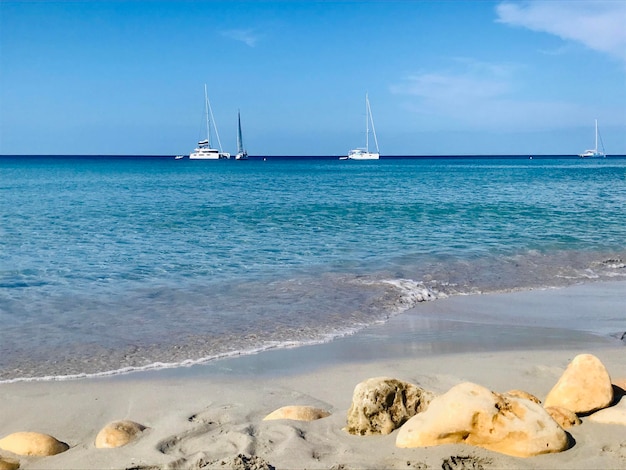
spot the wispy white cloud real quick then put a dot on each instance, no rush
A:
(247, 36)
(597, 24)
(478, 95)
(467, 81)
(560, 50)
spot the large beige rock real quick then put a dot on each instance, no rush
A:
(7, 463)
(471, 414)
(382, 404)
(297, 413)
(564, 417)
(613, 415)
(32, 443)
(585, 386)
(118, 433)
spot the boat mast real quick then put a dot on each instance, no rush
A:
(367, 123)
(219, 143)
(596, 150)
(369, 111)
(206, 114)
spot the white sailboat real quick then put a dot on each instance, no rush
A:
(594, 153)
(364, 153)
(242, 154)
(204, 151)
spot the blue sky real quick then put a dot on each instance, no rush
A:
(445, 77)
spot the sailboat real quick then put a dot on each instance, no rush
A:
(204, 151)
(594, 153)
(242, 154)
(364, 153)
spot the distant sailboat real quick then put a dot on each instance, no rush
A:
(242, 154)
(594, 153)
(364, 153)
(204, 150)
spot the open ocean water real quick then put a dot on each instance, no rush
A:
(114, 264)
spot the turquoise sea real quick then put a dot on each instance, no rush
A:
(114, 264)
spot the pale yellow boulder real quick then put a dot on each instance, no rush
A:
(118, 433)
(584, 386)
(564, 417)
(613, 415)
(471, 414)
(297, 413)
(523, 394)
(382, 404)
(32, 443)
(7, 463)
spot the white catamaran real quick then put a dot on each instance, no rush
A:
(364, 153)
(242, 154)
(204, 150)
(594, 153)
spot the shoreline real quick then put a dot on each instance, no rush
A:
(431, 326)
(214, 411)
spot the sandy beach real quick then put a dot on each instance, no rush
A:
(205, 416)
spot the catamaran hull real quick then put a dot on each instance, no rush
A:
(204, 156)
(208, 154)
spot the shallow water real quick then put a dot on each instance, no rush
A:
(116, 263)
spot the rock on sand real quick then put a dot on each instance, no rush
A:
(297, 413)
(382, 404)
(7, 463)
(472, 414)
(32, 443)
(117, 434)
(585, 386)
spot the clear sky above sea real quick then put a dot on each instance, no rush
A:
(443, 77)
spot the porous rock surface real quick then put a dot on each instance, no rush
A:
(564, 417)
(523, 394)
(382, 404)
